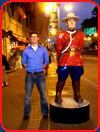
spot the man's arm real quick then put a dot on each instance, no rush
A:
(24, 58)
(46, 58)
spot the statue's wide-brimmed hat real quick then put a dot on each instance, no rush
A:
(70, 15)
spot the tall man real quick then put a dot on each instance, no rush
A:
(34, 59)
(69, 45)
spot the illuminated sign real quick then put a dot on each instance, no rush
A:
(90, 31)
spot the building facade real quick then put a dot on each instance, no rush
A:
(18, 20)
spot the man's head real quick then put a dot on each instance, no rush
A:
(71, 20)
(34, 37)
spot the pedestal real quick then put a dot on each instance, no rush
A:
(69, 111)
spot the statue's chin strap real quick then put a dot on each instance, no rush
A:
(70, 42)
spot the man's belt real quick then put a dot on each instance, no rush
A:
(35, 73)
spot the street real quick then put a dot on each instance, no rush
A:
(13, 99)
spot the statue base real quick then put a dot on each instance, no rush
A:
(69, 111)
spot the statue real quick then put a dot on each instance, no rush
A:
(70, 62)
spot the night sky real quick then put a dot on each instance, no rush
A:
(82, 9)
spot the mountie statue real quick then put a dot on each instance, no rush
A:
(70, 62)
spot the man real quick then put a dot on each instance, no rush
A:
(34, 59)
(69, 46)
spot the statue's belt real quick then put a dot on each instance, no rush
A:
(72, 49)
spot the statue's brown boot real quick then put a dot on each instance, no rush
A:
(59, 88)
(76, 89)
(58, 98)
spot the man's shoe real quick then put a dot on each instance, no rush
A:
(45, 116)
(26, 117)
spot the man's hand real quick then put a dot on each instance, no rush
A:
(45, 66)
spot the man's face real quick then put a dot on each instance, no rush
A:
(71, 23)
(34, 38)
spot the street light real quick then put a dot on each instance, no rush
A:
(85, 38)
(95, 34)
(48, 39)
(89, 38)
(49, 7)
(68, 7)
(53, 31)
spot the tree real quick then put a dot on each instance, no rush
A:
(91, 22)
(95, 12)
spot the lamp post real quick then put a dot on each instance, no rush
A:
(58, 14)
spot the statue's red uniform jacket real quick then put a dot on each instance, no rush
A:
(71, 57)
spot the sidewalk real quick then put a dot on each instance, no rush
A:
(93, 57)
(13, 103)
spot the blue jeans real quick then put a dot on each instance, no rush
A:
(30, 80)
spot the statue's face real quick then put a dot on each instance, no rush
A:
(71, 23)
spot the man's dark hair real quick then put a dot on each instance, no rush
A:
(34, 32)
